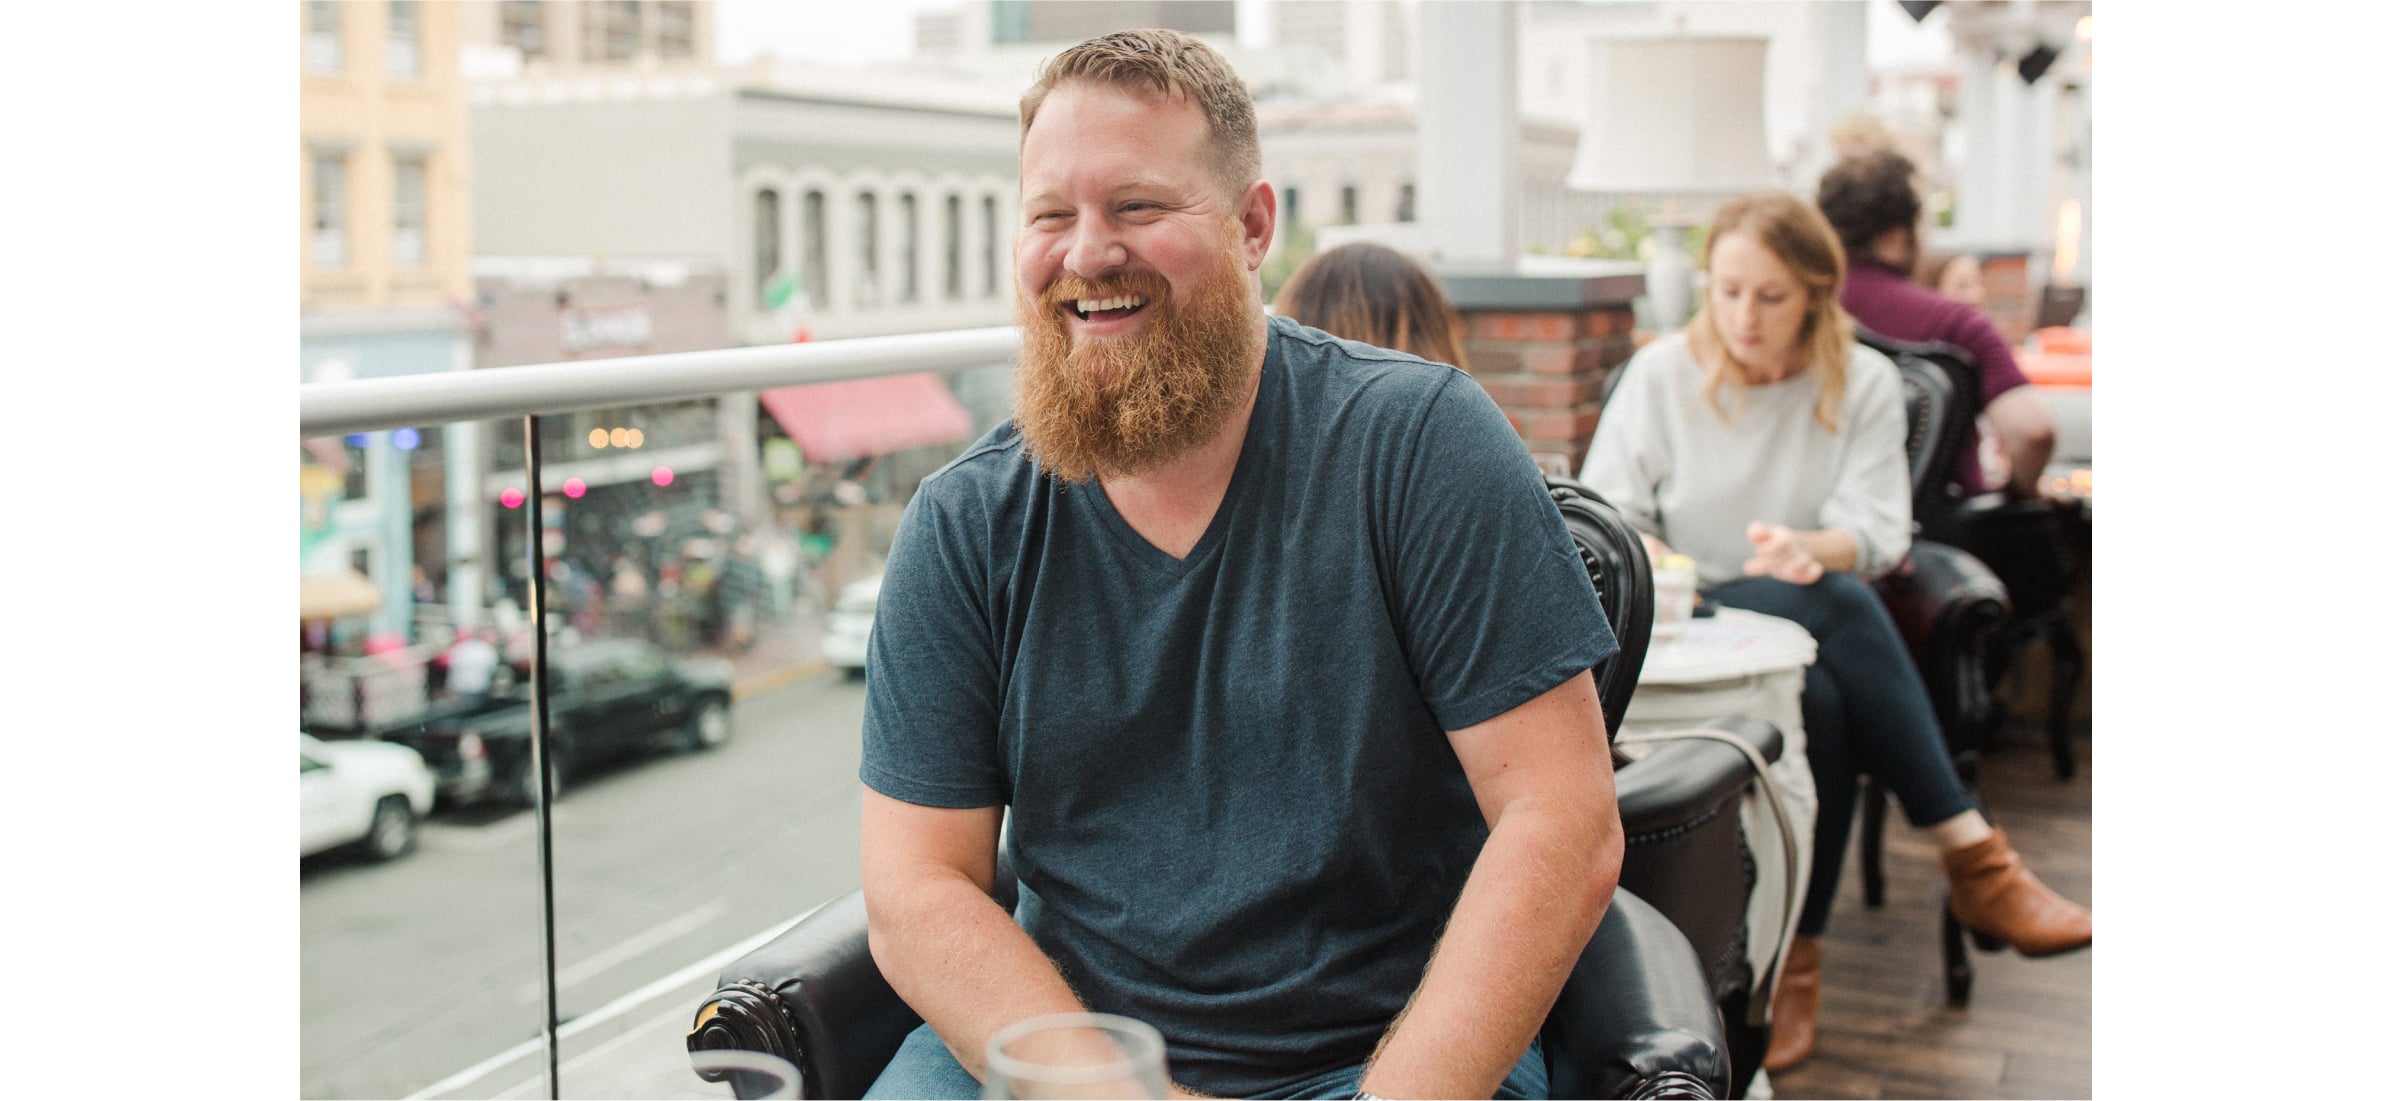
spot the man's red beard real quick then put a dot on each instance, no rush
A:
(1124, 405)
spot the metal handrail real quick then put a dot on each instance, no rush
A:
(365, 405)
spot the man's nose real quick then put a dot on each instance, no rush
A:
(1095, 248)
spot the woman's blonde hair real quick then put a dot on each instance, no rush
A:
(1374, 294)
(1794, 231)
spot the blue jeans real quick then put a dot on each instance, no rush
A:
(1864, 709)
(924, 1068)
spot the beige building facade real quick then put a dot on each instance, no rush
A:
(384, 172)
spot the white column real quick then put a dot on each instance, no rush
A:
(468, 512)
(1469, 159)
(1842, 34)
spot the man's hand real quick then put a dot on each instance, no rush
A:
(1778, 552)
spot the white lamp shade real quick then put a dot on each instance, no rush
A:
(1677, 115)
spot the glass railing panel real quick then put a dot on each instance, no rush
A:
(698, 567)
(420, 950)
(706, 700)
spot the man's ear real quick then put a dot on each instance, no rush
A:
(1258, 218)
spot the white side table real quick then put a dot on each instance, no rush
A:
(1742, 663)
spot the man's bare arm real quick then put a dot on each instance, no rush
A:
(2022, 422)
(950, 951)
(1542, 774)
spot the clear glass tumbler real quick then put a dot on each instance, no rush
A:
(1076, 1055)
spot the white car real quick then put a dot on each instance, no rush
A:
(850, 625)
(367, 794)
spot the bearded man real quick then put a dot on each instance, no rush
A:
(1273, 645)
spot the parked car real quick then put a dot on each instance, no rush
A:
(607, 699)
(850, 625)
(366, 794)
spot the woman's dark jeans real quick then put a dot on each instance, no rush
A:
(1864, 709)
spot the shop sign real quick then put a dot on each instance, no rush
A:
(613, 327)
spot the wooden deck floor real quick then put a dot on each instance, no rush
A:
(1884, 1030)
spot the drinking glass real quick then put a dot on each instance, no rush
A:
(1073, 1055)
(749, 1073)
(1673, 596)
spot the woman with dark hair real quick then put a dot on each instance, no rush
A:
(1767, 445)
(1376, 295)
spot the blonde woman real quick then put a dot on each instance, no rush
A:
(1766, 445)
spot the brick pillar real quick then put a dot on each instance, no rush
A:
(1543, 346)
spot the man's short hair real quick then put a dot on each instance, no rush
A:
(1166, 62)
(1865, 195)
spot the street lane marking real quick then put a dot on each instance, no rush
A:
(632, 946)
(611, 1010)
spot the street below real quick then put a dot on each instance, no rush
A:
(415, 971)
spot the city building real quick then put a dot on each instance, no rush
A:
(385, 239)
(548, 36)
(889, 203)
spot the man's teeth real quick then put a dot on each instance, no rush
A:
(1116, 302)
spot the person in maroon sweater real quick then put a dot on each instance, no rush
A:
(1870, 200)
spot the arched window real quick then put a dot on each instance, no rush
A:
(954, 243)
(817, 264)
(909, 237)
(988, 246)
(867, 216)
(768, 240)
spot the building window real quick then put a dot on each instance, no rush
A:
(523, 24)
(402, 53)
(818, 279)
(407, 212)
(611, 30)
(768, 241)
(1289, 209)
(988, 246)
(676, 29)
(867, 216)
(323, 37)
(1349, 205)
(1403, 203)
(329, 242)
(954, 242)
(909, 269)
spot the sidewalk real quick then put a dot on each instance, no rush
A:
(785, 651)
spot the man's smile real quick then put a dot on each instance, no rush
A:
(1109, 308)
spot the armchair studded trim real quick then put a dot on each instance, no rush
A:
(1615, 561)
(745, 1015)
(1672, 1084)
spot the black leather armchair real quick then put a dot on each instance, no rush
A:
(2026, 544)
(1639, 1016)
(1949, 606)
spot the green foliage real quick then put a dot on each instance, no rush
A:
(1628, 235)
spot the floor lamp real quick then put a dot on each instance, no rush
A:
(1677, 120)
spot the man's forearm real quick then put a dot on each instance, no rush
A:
(961, 962)
(1540, 886)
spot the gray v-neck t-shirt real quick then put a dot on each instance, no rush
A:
(1235, 811)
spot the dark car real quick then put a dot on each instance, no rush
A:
(607, 699)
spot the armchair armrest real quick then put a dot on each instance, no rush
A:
(1635, 1019)
(812, 996)
(1948, 606)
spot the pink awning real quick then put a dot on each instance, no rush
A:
(839, 421)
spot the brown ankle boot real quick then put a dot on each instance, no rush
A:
(1996, 897)
(1794, 1012)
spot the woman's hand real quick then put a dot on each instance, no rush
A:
(1778, 552)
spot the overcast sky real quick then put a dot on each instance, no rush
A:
(853, 32)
